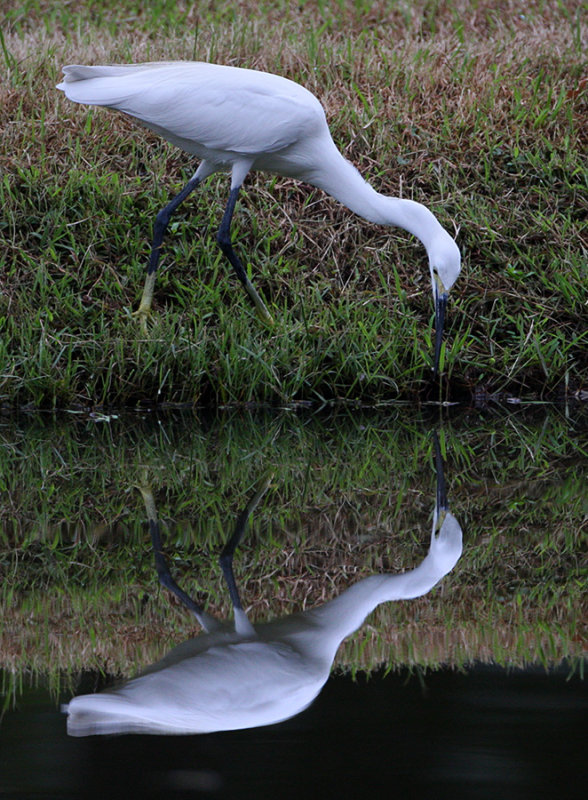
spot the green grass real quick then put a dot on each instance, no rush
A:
(478, 113)
(352, 494)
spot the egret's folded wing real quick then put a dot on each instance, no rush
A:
(219, 108)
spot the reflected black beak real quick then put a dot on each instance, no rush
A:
(442, 504)
(440, 306)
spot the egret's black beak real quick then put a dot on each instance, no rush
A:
(440, 306)
(442, 503)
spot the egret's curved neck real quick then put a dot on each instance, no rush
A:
(343, 615)
(339, 178)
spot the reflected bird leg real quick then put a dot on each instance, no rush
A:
(226, 557)
(207, 622)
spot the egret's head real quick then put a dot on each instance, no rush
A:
(445, 266)
(446, 542)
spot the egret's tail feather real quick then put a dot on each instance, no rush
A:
(98, 85)
(93, 85)
(79, 72)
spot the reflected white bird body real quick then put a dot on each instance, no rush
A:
(244, 675)
(239, 120)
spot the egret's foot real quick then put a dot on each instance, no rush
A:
(144, 310)
(264, 316)
(142, 314)
(143, 485)
(260, 307)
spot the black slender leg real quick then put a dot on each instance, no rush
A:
(164, 574)
(223, 237)
(161, 222)
(226, 557)
(224, 241)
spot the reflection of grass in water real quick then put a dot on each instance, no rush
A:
(476, 112)
(352, 495)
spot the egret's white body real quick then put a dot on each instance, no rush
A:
(237, 120)
(242, 675)
(239, 675)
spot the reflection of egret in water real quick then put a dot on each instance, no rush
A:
(243, 675)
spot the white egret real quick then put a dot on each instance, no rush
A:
(237, 120)
(245, 675)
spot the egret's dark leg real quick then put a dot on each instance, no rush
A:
(206, 620)
(226, 557)
(224, 241)
(161, 222)
(164, 574)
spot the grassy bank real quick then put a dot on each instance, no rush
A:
(477, 112)
(351, 495)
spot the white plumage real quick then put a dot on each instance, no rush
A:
(237, 120)
(243, 675)
(221, 114)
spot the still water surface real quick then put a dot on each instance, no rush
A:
(464, 680)
(482, 734)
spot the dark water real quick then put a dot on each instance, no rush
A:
(346, 501)
(487, 733)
